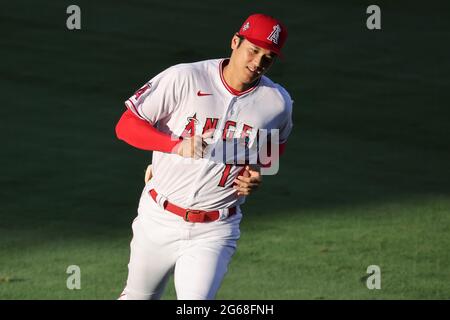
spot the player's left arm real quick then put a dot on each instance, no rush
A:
(251, 177)
(244, 184)
(249, 181)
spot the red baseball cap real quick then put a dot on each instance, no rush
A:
(264, 31)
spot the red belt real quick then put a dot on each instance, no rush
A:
(189, 214)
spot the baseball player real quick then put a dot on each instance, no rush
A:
(189, 211)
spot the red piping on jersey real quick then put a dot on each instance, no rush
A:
(142, 135)
(228, 87)
(134, 107)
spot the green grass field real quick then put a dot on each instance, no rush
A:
(365, 179)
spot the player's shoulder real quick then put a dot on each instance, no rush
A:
(276, 92)
(195, 68)
(185, 75)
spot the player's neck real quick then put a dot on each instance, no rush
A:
(233, 81)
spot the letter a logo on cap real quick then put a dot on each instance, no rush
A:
(275, 34)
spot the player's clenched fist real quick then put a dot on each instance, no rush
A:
(249, 181)
(193, 147)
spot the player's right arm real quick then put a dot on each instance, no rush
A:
(156, 101)
(142, 135)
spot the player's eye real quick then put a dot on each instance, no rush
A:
(253, 50)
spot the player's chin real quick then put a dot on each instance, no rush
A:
(253, 74)
(251, 77)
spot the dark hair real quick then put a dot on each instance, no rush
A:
(241, 39)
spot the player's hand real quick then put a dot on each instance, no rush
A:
(193, 147)
(148, 173)
(249, 181)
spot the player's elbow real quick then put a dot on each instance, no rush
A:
(122, 126)
(119, 130)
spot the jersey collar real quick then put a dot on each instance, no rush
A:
(231, 90)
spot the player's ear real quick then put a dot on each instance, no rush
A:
(235, 41)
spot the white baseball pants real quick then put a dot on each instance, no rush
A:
(163, 243)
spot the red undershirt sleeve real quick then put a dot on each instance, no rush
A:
(142, 135)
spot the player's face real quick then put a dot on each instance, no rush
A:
(250, 62)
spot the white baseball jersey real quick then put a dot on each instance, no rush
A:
(192, 98)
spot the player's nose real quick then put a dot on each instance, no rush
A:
(257, 62)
